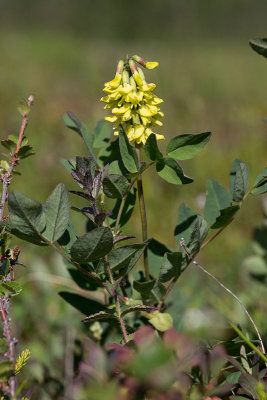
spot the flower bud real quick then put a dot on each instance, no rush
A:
(120, 67)
(144, 63)
(140, 60)
(125, 77)
(135, 73)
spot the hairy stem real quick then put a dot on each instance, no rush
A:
(143, 217)
(117, 303)
(122, 205)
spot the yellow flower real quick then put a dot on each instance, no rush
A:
(151, 65)
(117, 80)
(131, 101)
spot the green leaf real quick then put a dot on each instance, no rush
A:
(161, 321)
(137, 308)
(151, 148)
(9, 144)
(144, 288)
(82, 280)
(106, 315)
(27, 217)
(232, 174)
(93, 245)
(115, 186)
(217, 199)
(3, 345)
(24, 108)
(240, 183)
(199, 233)
(150, 291)
(123, 258)
(260, 184)
(72, 122)
(172, 266)
(68, 237)
(69, 167)
(10, 288)
(6, 369)
(25, 151)
(126, 211)
(184, 147)
(101, 133)
(4, 267)
(83, 304)
(172, 172)
(249, 384)
(260, 46)
(233, 377)
(115, 168)
(57, 213)
(225, 215)
(156, 251)
(186, 221)
(109, 153)
(128, 153)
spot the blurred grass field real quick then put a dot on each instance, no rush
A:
(210, 81)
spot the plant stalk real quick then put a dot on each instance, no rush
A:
(122, 205)
(117, 303)
(143, 216)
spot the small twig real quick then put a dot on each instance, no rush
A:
(6, 178)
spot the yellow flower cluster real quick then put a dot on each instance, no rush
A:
(132, 102)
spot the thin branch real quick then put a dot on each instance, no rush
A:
(211, 238)
(236, 298)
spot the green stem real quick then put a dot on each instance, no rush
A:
(125, 198)
(248, 342)
(122, 205)
(142, 213)
(117, 303)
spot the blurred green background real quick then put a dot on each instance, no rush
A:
(209, 78)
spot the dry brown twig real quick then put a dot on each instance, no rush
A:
(5, 299)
